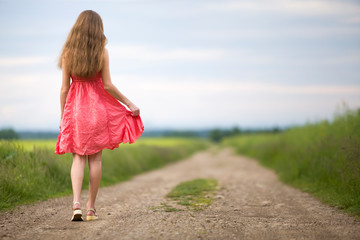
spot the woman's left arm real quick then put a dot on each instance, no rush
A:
(64, 88)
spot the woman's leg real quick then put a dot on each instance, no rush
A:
(77, 175)
(94, 178)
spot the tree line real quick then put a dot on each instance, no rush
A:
(214, 135)
(8, 133)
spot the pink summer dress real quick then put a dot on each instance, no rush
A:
(94, 120)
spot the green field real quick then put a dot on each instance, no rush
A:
(29, 144)
(321, 158)
(30, 170)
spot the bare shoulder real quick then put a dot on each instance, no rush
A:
(106, 53)
(65, 56)
(64, 65)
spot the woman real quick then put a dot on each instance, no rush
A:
(92, 118)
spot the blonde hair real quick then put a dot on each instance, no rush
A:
(84, 47)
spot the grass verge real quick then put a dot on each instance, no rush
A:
(29, 175)
(322, 158)
(195, 194)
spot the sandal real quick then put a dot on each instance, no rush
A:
(77, 214)
(91, 217)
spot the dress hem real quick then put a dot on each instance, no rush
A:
(94, 151)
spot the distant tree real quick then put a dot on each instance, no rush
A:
(275, 130)
(235, 131)
(216, 135)
(8, 133)
(180, 134)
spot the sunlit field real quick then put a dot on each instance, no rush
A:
(321, 158)
(29, 144)
(30, 170)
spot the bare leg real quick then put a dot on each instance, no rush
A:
(94, 178)
(77, 176)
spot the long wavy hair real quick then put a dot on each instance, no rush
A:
(84, 47)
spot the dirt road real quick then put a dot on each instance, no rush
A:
(250, 204)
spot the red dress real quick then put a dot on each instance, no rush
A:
(94, 120)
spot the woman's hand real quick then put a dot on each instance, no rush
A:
(135, 110)
(60, 123)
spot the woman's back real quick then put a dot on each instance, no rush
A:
(92, 118)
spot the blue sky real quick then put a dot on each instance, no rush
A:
(190, 64)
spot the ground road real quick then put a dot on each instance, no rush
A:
(250, 204)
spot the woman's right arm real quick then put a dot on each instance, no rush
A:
(65, 86)
(111, 88)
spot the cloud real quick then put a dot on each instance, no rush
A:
(149, 53)
(30, 100)
(25, 88)
(298, 7)
(339, 60)
(354, 20)
(198, 86)
(250, 88)
(21, 61)
(7, 111)
(254, 57)
(198, 103)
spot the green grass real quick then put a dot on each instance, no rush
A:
(321, 158)
(31, 171)
(29, 144)
(195, 193)
(165, 207)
